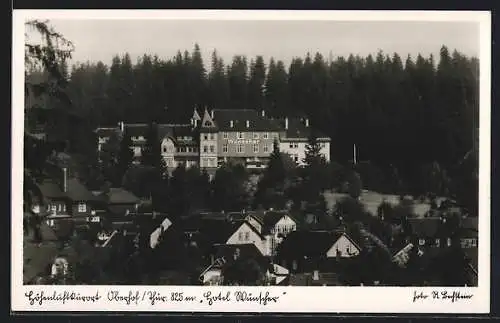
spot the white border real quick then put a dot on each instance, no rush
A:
(297, 299)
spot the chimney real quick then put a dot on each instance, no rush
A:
(231, 123)
(307, 122)
(65, 179)
(248, 124)
(286, 123)
(263, 113)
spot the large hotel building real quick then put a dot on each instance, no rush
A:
(246, 136)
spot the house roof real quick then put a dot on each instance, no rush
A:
(136, 129)
(217, 231)
(268, 219)
(425, 227)
(121, 196)
(78, 192)
(246, 251)
(308, 243)
(107, 132)
(239, 117)
(298, 129)
(51, 190)
(469, 223)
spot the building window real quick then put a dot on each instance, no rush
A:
(247, 236)
(438, 242)
(296, 158)
(295, 145)
(240, 236)
(291, 145)
(82, 207)
(224, 148)
(212, 148)
(241, 148)
(240, 135)
(205, 149)
(212, 136)
(255, 135)
(421, 242)
(224, 135)
(448, 242)
(255, 148)
(164, 149)
(265, 135)
(205, 137)
(266, 148)
(53, 207)
(204, 162)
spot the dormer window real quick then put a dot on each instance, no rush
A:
(231, 123)
(421, 241)
(248, 123)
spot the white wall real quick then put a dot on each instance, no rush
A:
(245, 235)
(346, 248)
(297, 149)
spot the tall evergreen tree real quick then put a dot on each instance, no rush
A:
(271, 187)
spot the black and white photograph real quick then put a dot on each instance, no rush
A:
(219, 152)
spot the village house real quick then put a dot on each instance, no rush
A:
(120, 203)
(307, 251)
(273, 226)
(295, 137)
(239, 264)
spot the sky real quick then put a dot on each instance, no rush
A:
(100, 40)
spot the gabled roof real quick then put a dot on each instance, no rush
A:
(268, 219)
(217, 231)
(121, 196)
(51, 190)
(300, 244)
(239, 224)
(240, 117)
(78, 192)
(207, 121)
(196, 115)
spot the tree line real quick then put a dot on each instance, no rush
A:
(413, 120)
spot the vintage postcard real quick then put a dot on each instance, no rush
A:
(247, 161)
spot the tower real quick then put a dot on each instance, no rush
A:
(208, 142)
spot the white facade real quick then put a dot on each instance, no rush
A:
(344, 248)
(245, 234)
(297, 149)
(168, 152)
(208, 150)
